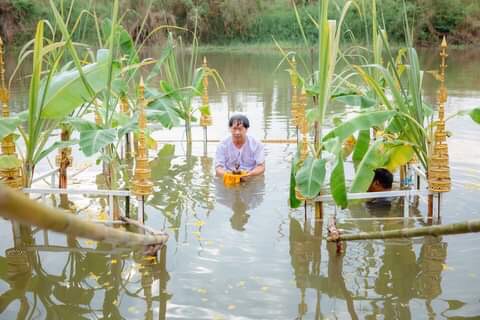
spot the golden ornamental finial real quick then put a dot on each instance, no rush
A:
(444, 43)
(205, 117)
(439, 169)
(295, 108)
(3, 87)
(11, 176)
(303, 124)
(142, 185)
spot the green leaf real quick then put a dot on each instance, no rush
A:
(398, 155)
(205, 110)
(361, 122)
(82, 124)
(361, 147)
(168, 118)
(356, 100)
(8, 126)
(66, 90)
(92, 141)
(475, 115)
(338, 188)
(54, 146)
(294, 202)
(197, 82)
(310, 177)
(373, 159)
(9, 162)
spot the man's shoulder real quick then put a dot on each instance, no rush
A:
(253, 142)
(225, 141)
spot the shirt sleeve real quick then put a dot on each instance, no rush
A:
(220, 157)
(259, 154)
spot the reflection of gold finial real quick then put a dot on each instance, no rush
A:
(439, 169)
(142, 186)
(205, 117)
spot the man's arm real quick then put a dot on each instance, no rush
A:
(220, 171)
(258, 170)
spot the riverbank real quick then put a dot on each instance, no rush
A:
(228, 23)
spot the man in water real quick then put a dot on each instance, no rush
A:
(240, 152)
(382, 181)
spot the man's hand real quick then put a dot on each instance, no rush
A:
(258, 170)
(219, 171)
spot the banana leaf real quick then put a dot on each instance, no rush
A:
(398, 155)
(92, 141)
(373, 159)
(475, 115)
(338, 188)
(9, 162)
(310, 177)
(294, 202)
(361, 122)
(66, 90)
(8, 126)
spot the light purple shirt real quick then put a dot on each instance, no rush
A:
(250, 155)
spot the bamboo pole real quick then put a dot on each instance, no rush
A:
(440, 230)
(15, 206)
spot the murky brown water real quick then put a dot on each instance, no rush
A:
(241, 253)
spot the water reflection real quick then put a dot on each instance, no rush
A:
(82, 282)
(241, 198)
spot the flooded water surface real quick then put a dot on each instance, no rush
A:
(241, 253)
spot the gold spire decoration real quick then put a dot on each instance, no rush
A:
(294, 81)
(12, 176)
(142, 185)
(205, 119)
(439, 169)
(303, 124)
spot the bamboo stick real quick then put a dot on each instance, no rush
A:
(452, 228)
(16, 206)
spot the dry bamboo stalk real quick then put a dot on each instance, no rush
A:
(452, 228)
(16, 206)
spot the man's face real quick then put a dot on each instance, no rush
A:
(239, 132)
(376, 186)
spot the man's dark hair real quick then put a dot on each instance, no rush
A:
(384, 177)
(238, 119)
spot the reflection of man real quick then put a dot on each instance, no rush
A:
(240, 152)
(240, 199)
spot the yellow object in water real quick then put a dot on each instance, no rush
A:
(231, 179)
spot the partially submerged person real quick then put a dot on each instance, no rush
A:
(382, 181)
(240, 152)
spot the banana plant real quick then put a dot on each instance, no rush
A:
(54, 92)
(181, 82)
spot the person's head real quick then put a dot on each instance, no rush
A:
(238, 125)
(382, 181)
